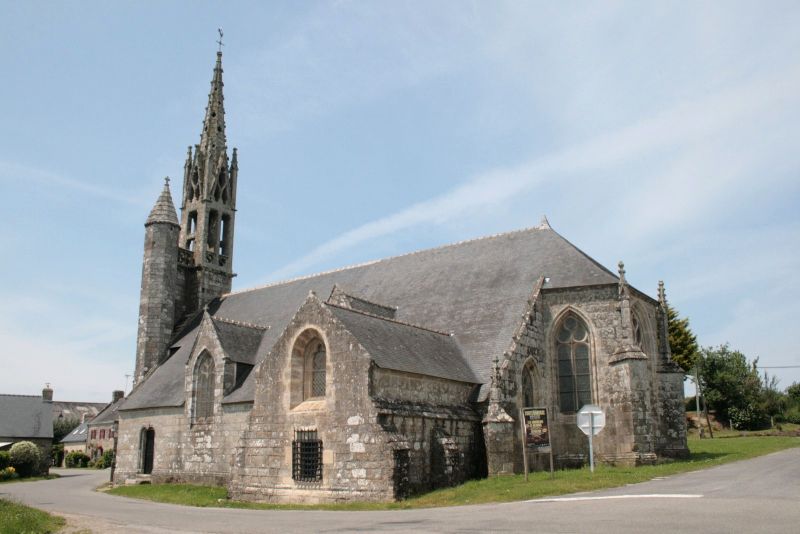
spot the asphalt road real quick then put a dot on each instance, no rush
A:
(759, 495)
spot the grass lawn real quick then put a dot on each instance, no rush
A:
(704, 453)
(18, 519)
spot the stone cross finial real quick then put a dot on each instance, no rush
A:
(166, 181)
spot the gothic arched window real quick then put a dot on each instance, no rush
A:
(574, 376)
(314, 370)
(527, 388)
(204, 388)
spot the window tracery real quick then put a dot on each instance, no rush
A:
(574, 374)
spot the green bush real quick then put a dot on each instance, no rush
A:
(5, 459)
(104, 461)
(793, 415)
(25, 458)
(749, 418)
(76, 459)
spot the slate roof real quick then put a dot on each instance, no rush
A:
(76, 410)
(403, 347)
(78, 435)
(240, 341)
(476, 289)
(25, 416)
(108, 415)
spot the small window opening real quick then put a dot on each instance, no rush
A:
(306, 456)
(224, 244)
(192, 222)
(213, 231)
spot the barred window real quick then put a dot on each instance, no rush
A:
(306, 456)
(204, 388)
(574, 377)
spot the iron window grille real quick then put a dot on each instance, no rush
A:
(306, 456)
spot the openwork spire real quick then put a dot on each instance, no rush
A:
(212, 138)
(164, 210)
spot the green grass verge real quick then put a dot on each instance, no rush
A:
(18, 519)
(704, 453)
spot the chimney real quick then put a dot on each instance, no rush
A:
(117, 395)
(47, 393)
(83, 417)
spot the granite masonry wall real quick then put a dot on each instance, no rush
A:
(376, 447)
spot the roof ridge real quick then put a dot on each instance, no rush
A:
(23, 396)
(379, 260)
(420, 327)
(240, 323)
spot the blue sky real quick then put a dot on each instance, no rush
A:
(663, 134)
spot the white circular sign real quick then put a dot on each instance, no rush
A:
(591, 419)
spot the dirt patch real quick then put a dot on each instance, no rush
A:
(82, 524)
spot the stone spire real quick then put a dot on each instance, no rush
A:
(627, 348)
(164, 210)
(662, 320)
(212, 138)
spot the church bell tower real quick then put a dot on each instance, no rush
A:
(208, 208)
(188, 263)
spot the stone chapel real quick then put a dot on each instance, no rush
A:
(377, 381)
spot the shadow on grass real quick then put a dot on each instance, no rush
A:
(705, 456)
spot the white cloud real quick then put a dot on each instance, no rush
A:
(695, 180)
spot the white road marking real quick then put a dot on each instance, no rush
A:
(609, 497)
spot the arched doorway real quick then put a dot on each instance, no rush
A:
(148, 440)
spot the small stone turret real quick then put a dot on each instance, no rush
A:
(159, 284)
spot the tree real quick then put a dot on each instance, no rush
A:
(793, 392)
(63, 426)
(732, 387)
(682, 341)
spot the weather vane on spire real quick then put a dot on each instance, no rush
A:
(219, 42)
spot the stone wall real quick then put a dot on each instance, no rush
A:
(434, 418)
(641, 403)
(622, 388)
(382, 431)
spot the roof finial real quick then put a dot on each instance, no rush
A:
(219, 41)
(662, 295)
(623, 283)
(544, 224)
(166, 181)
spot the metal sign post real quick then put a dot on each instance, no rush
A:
(591, 420)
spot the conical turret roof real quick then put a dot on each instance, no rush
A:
(164, 210)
